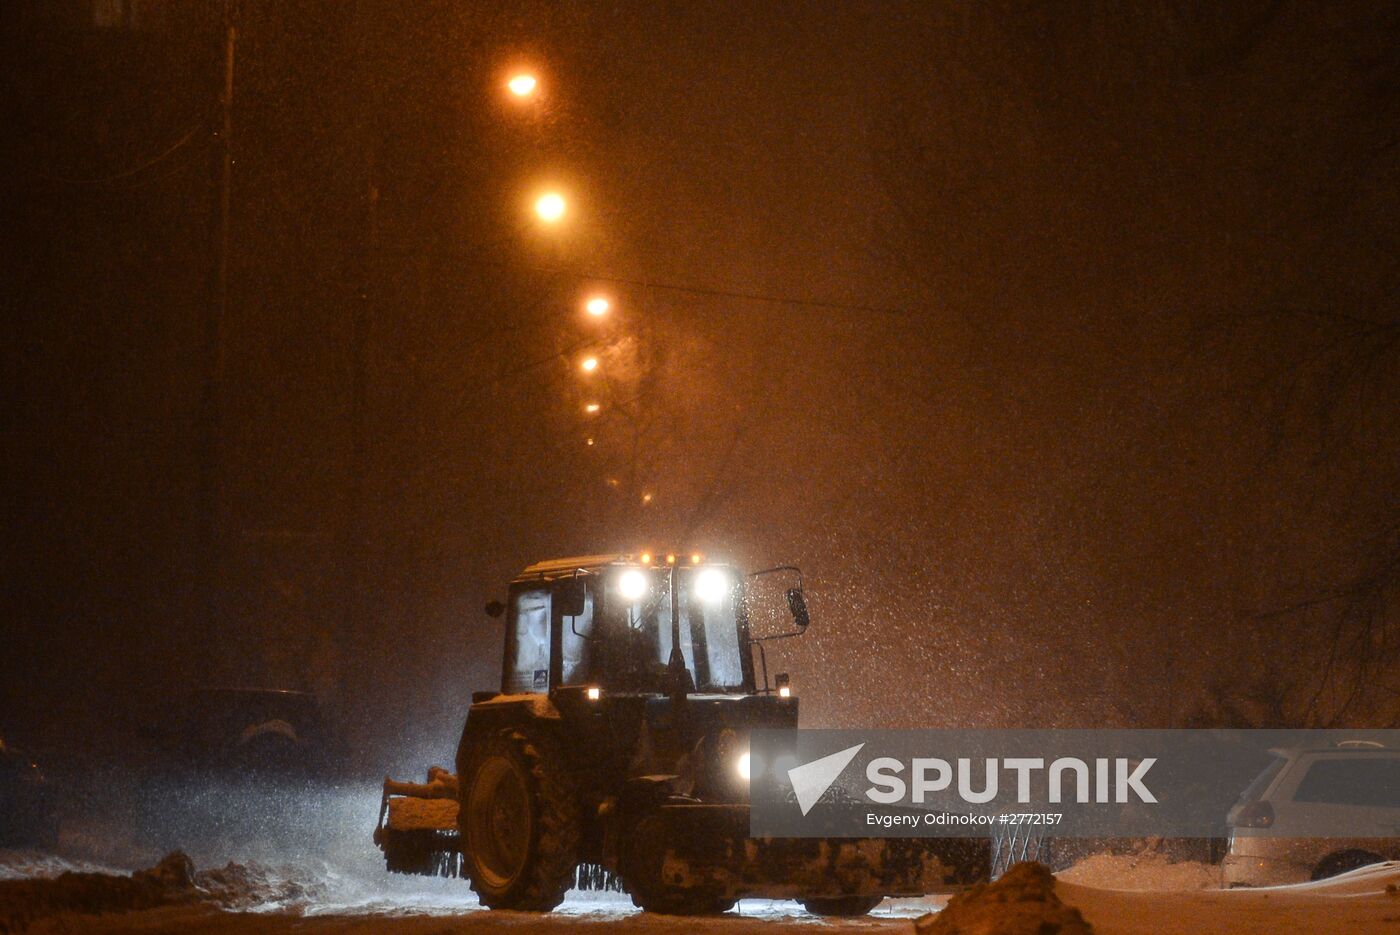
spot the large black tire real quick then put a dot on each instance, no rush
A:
(845, 906)
(645, 849)
(1337, 864)
(519, 819)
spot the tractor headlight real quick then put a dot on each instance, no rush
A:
(743, 766)
(711, 585)
(632, 585)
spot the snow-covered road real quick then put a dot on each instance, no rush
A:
(322, 874)
(1117, 895)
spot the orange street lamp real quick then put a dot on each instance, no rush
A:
(550, 207)
(522, 85)
(592, 408)
(597, 306)
(589, 364)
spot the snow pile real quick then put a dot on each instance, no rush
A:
(1021, 902)
(1371, 879)
(1146, 871)
(20, 864)
(1359, 901)
(243, 887)
(235, 887)
(23, 901)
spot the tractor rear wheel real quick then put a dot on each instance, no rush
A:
(841, 905)
(519, 820)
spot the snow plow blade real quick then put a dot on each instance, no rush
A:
(707, 847)
(417, 827)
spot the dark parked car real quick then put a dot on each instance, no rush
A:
(235, 732)
(28, 803)
(238, 769)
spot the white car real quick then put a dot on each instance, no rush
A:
(1285, 827)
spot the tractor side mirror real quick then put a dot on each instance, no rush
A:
(797, 606)
(570, 598)
(494, 608)
(797, 603)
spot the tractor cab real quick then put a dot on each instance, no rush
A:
(626, 625)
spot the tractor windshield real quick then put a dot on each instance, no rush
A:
(637, 618)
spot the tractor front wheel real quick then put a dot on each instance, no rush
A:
(642, 859)
(841, 905)
(519, 819)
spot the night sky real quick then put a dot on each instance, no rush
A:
(1056, 343)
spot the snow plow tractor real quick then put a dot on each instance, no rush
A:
(615, 756)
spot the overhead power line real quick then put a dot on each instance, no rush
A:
(477, 254)
(723, 293)
(134, 170)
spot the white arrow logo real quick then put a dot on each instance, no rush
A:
(811, 780)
